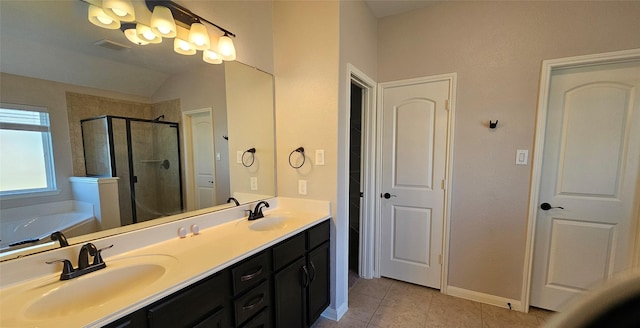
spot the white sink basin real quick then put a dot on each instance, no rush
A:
(268, 223)
(52, 299)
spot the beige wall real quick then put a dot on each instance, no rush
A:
(251, 125)
(497, 49)
(305, 35)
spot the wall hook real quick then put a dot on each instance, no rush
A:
(493, 125)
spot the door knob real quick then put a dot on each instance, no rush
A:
(387, 195)
(547, 206)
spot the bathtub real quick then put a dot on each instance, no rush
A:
(32, 225)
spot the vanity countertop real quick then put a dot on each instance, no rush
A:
(136, 276)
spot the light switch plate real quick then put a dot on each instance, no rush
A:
(319, 157)
(254, 183)
(522, 157)
(239, 156)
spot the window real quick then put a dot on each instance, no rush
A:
(26, 156)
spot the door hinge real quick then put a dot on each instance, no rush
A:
(446, 104)
(443, 184)
(440, 259)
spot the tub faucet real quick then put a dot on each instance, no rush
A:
(59, 236)
(257, 212)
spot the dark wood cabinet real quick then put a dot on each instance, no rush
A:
(284, 286)
(301, 287)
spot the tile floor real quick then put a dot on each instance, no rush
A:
(389, 303)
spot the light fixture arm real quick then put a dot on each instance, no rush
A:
(182, 15)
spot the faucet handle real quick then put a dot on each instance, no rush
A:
(250, 215)
(67, 267)
(97, 259)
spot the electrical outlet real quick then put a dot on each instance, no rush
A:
(320, 157)
(302, 187)
(254, 183)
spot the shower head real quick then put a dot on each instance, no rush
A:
(157, 119)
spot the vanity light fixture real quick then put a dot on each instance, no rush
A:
(121, 10)
(162, 22)
(183, 47)
(98, 17)
(168, 20)
(145, 33)
(129, 30)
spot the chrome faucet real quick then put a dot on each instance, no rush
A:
(257, 212)
(87, 250)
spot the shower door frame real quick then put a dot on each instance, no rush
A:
(132, 176)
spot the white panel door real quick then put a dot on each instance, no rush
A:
(414, 132)
(203, 160)
(589, 177)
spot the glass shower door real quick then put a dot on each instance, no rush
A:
(156, 168)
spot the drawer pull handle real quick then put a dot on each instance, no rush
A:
(251, 306)
(313, 275)
(251, 275)
(305, 276)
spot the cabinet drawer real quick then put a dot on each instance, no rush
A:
(215, 320)
(134, 320)
(191, 305)
(262, 320)
(251, 303)
(318, 234)
(250, 272)
(288, 251)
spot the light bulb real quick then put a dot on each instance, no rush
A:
(145, 33)
(226, 48)
(211, 57)
(98, 17)
(105, 20)
(130, 33)
(199, 37)
(119, 9)
(183, 47)
(162, 22)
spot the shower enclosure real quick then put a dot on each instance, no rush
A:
(145, 155)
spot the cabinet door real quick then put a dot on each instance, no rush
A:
(318, 290)
(289, 300)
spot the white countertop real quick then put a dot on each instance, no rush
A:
(224, 239)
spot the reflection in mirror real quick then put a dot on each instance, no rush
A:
(147, 111)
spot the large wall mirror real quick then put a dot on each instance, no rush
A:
(181, 136)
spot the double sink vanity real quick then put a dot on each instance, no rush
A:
(212, 270)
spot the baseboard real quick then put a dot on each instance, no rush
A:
(471, 295)
(335, 314)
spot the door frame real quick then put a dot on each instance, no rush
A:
(369, 166)
(189, 179)
(548, 66)
(452, 79)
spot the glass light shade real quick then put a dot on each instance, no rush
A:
(145, 33)
(226, 49)
(211, 57)
(183, 47)
(98, 17)
(162, 22)
(132, 35)
(198, 37)
(121, 10)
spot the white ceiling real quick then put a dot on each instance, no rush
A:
(383, 8)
